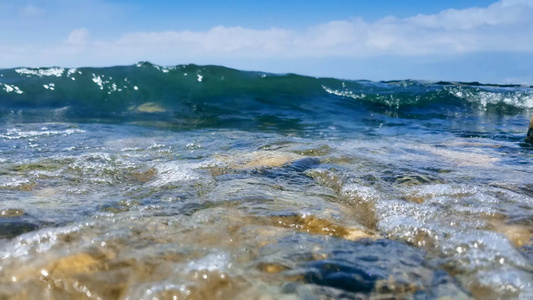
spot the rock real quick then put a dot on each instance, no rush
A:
(271, 268)
(24, 186)
(15, 221)
(145, 176)
(518, 235)
(375, 269)
(313, 225)
(11, 212)
(258, 159)
(150, 107)
(10, 230)
(462, 158)
(74, 264)
(529, 136)
(322, 150)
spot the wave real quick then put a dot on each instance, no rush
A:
(214, 95)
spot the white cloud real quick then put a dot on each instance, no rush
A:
(220, 39)
(505, 26)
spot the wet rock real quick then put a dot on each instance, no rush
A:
(14, 222)
(24, 186)
(145, 176)
(529, 135)
(314, 225)
(342, 276)
(361, 201)
(381, 268)
(322, 150)
(461, 158)
(207, 285)
(12, 229)
(483, 291)
(11, 212)
(518, 235)
(414, 198)
(258, 159)
(74, 264)
(113, 209)
(149, 107)
(275, 145)
(77, 276)
(271, 268)
(45, 165)
(356, 200)
(120, 206)
(339, 160)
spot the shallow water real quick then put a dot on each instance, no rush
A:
(380, 203)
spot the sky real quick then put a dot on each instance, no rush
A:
(466, 40)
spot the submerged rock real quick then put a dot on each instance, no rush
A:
(14, 228)
(367, 268)
(11, 212)
(257, 159)
(314, 225)
(518, 235)
(149, 107)
(321, 150)
(14, 222)
(144, 176)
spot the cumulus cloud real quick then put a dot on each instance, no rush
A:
(350, 38)
(220, 39)
(506, 25)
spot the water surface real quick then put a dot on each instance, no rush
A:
(191, 182)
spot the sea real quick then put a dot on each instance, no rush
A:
(205, 182)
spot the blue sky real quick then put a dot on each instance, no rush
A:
(468, 40)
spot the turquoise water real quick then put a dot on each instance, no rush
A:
(203, 182)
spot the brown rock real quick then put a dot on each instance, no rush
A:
(145, 176)
(74, 264)
(11, 212)
(258, 159)
(272, 268)
(314, 225)
(516, 234)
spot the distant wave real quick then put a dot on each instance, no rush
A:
(212, 95)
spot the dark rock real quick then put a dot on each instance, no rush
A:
(10, 230)
(345, 276)
(529, 136)
(382, 268)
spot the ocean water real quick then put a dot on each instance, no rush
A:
(203, 182)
